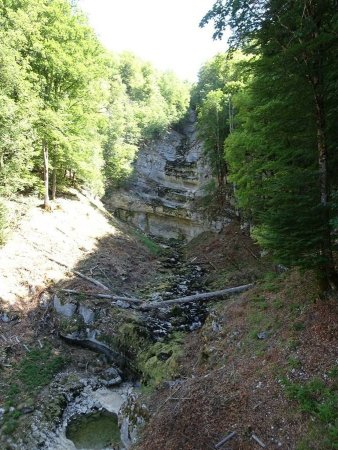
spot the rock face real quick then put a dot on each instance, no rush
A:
(170, 175)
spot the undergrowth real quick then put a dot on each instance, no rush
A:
(152, 246)
(32, 373)
(39, 366)
(319, 399)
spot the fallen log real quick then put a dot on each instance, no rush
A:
(115, 298)
(224, 440)
(144, 306)
(259, 442)
(204, 297)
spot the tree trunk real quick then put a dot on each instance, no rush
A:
(205, 297)
(328, 276)
(46, 203)
(54, 184)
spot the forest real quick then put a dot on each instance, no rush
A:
(114, 336)
(71, 112)
(268, 113)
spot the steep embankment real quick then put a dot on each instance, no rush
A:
(262, 372)
(49, 251)
(45, 246)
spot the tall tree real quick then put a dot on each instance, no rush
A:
(18, 102)
(68, 63)
(302, 37)
(218, 80)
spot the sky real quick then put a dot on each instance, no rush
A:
(163, 32)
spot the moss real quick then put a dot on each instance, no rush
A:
(161, 360)
(55, 408)
(39, 366)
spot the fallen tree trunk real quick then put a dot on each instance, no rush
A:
(144, 306)
(115, 298)
(206, 296)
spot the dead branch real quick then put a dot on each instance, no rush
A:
(226, 439)
(251, 252)
(79, 274)
(91, 280)
(206, 296)
(259, 442)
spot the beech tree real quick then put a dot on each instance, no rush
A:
(18, 103)
(68, 62)
(218, 80)
(142, 104)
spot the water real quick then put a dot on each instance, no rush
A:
(94, 431)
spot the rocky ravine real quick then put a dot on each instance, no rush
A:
(170, 176)
(37, 407)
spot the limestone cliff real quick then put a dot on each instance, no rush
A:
(170, 175)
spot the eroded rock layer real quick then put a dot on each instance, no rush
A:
(169, 179)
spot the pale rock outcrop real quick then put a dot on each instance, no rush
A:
(170, 176)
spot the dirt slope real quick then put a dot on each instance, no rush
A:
(45, 244)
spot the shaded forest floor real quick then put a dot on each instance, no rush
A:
(263, 365)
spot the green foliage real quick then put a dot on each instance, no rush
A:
(282, 154)
(39, 366)
(219, 79)
(152, 246)
(319, 400)
(213, 129)
(142, 104)
(63, 95)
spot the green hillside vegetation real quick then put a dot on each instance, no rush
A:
(269, 122)
(72, 113)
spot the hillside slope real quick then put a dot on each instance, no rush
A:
(45, 246)
(264, 366)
